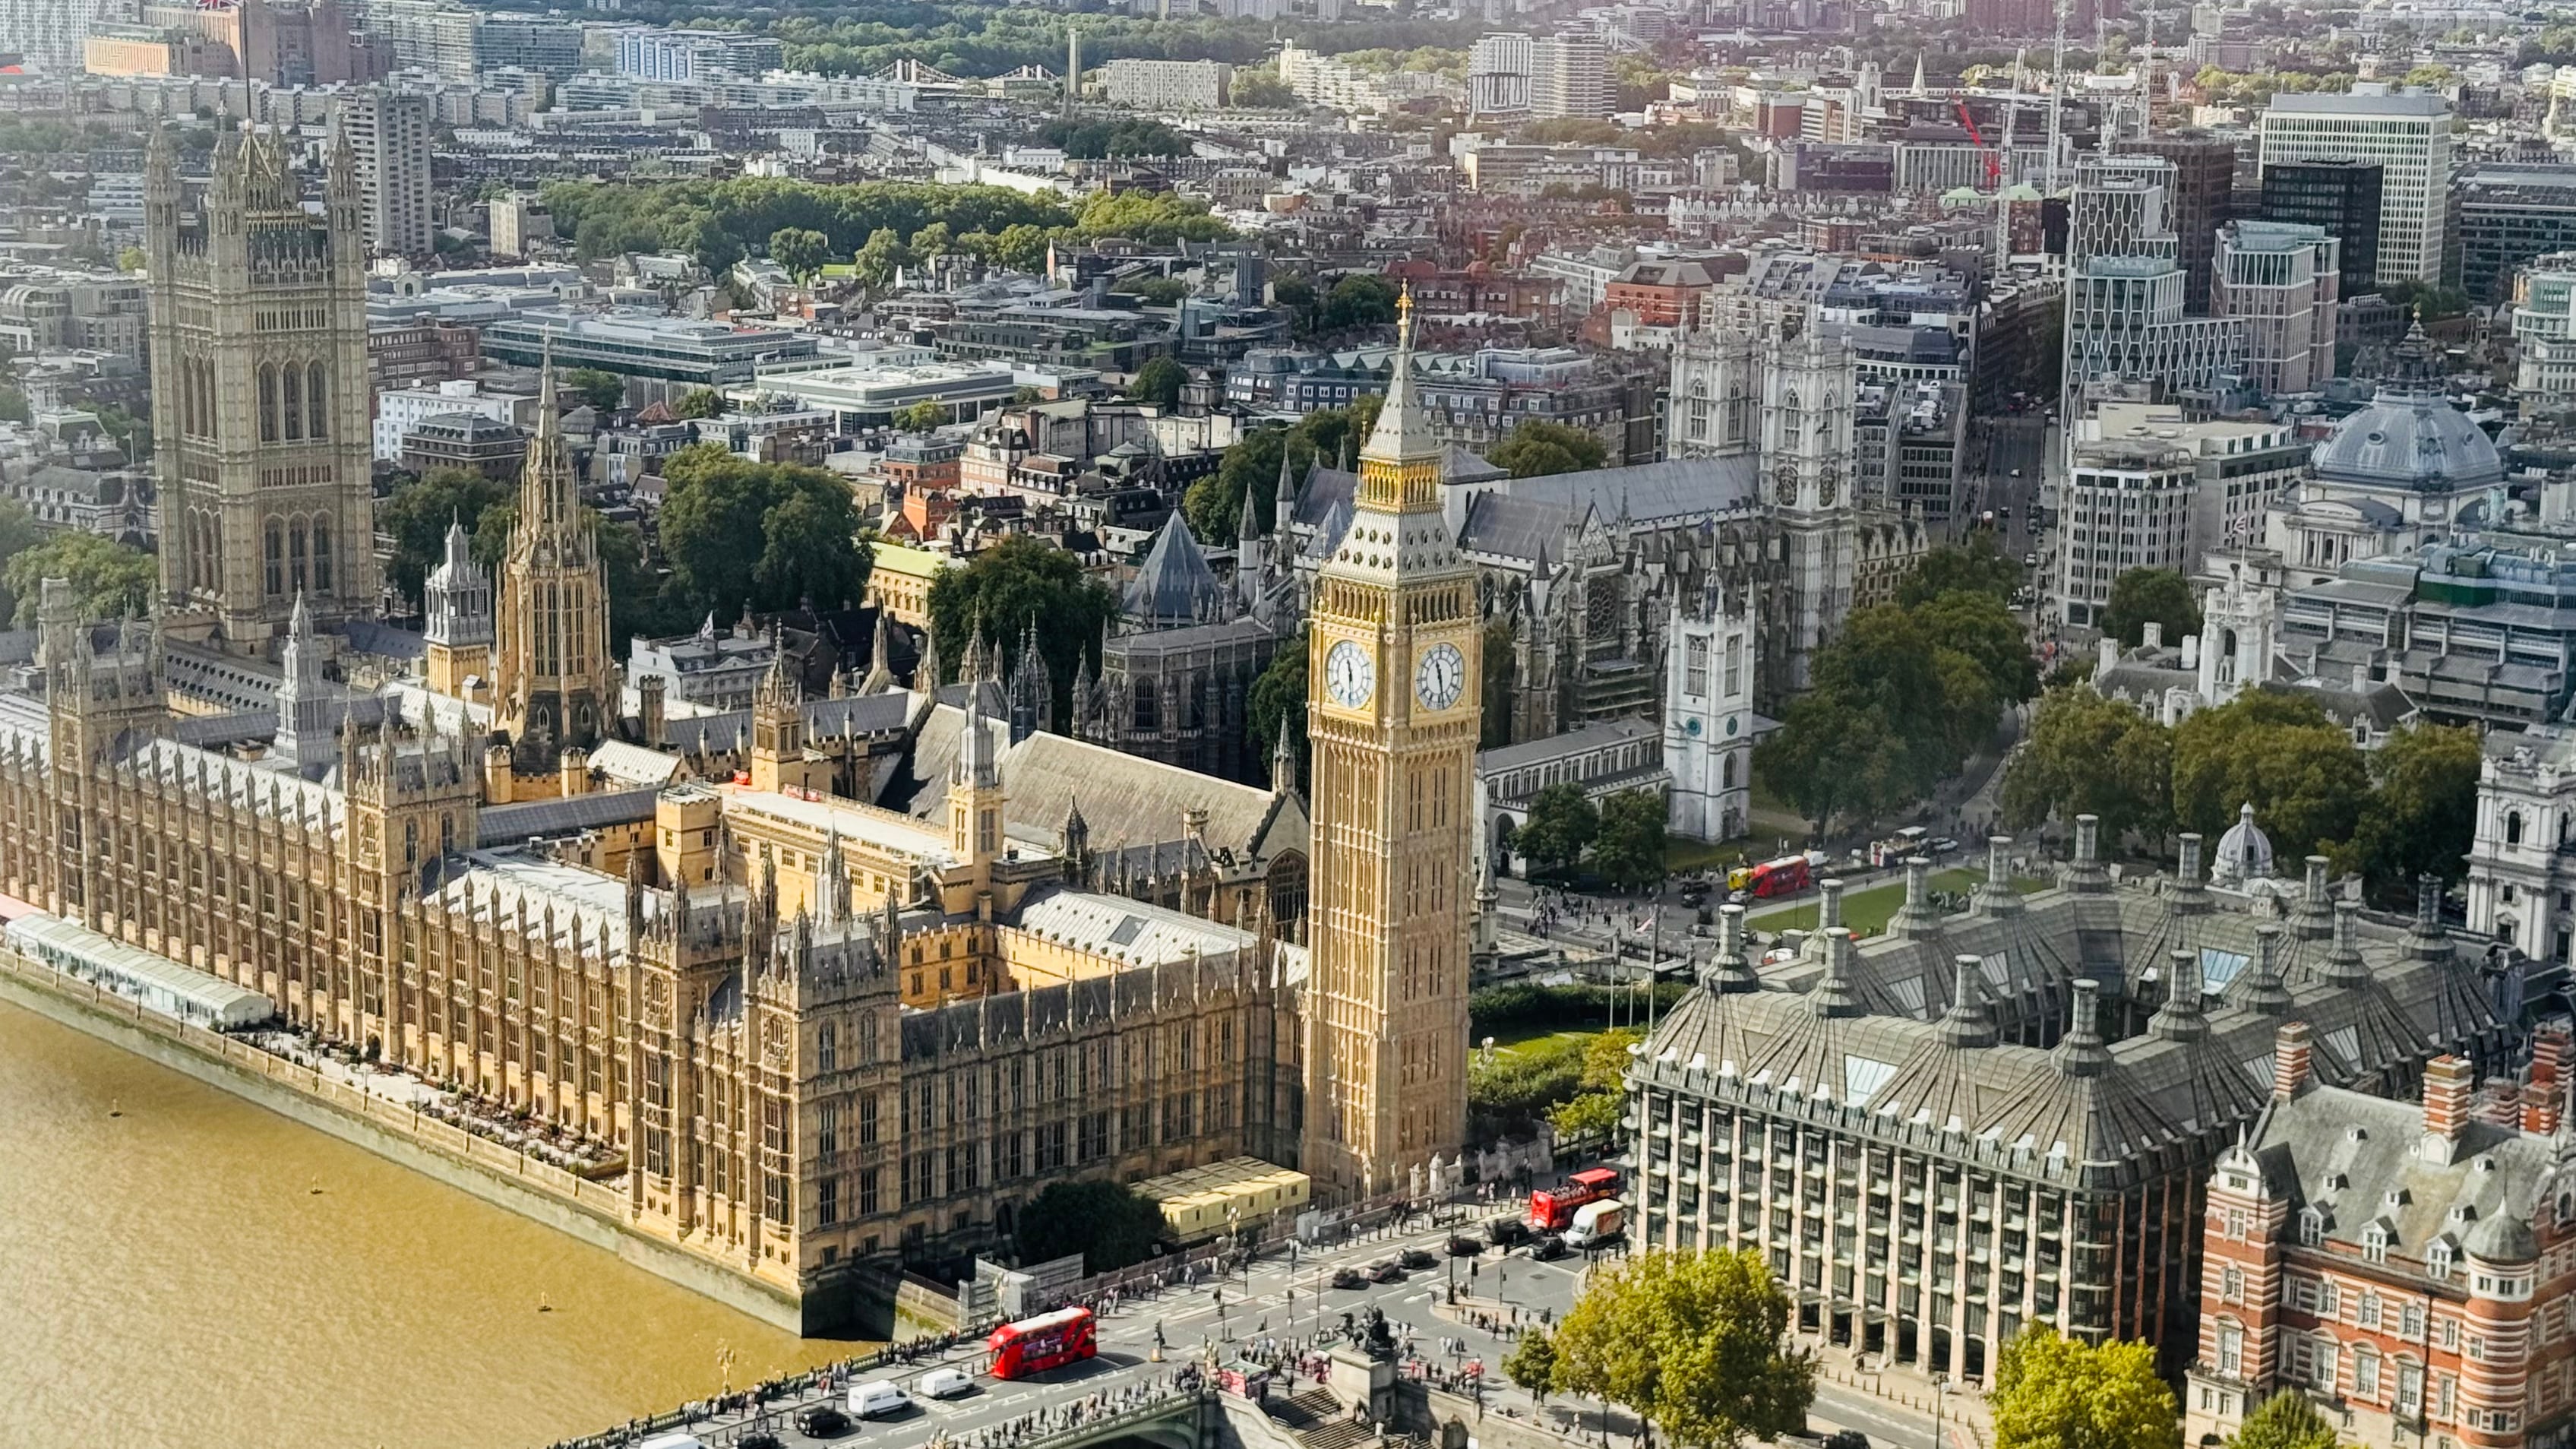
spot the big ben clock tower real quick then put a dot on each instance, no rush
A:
(1396, 697)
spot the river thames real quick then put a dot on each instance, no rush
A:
(173, 1276)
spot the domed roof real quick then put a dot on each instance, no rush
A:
(2503, 1238)
(2244, 852)
(2409, 437)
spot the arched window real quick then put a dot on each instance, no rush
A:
(314, 399)
(295, 555)
(275, 552)
(321, 556)
(267, 403)
(1726, 773)
(293, 387)
(2513, 827)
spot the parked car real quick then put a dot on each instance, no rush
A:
(821, 1421)
(945, 1383)
(1945, 846)
(1349, 1278)
(1386, 1270)
(1545, 1246)
(760, 1439)
(1420, 1258)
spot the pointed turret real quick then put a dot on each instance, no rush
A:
(880, 675)
(1032, 690)
(303, 738)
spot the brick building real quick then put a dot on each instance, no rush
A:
(2407, 1265)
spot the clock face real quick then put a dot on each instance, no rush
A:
(1440, 677)
(1350, 675)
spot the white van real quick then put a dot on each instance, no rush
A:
(672, 1441)
(877, 1398)
(944, 1383)
(1596, 1222)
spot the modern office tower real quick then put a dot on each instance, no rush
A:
(2510, 214)
(1569, 77)
(2339, 194)
(2120, 209)
(2281, 278)
(2408, 132)
(1498, 76)
(389, 133)
(2199, 200)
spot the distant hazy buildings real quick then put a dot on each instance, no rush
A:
(1166, 85)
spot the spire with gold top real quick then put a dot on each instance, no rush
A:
(1401, 466)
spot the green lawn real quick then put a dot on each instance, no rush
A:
(1867, 911)
(1512, 1039)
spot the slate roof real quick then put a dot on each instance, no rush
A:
(501, 825)
(1174, 585)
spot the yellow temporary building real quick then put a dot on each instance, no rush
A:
(1202, 1202)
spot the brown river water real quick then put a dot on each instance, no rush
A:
(170, 1277)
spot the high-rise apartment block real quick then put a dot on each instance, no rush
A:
(282, 42)
(2200, 198)
(2125, 287)
(1569, 78)
(389, 132)
(1498, 76)
(2408, 132)
(1166, 85)
(438, 36)
(2544, 335)
(2340, 194)
(2282, 279)
(51, 34)
(696, 55)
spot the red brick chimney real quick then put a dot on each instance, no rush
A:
(2547, 1088)
(2447, 1085)
(2291, 1060)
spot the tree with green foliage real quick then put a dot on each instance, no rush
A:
(1561, 825)
(132, 259)
(2287, 1420)
(1697, 1343)
(18, 533)
(1012, 584)
(13, 405)
(1628, 843)
(920, 417)
(700, 403)
(1109, 1223)
(1159, 382)
(2087, 755)
(1296, 294)
(417, 516)
(1214, 504)
(1837, 752)
(1976, 624)
(603, 390)
(1098, 138)
(2421, 814)
(1278, 703)
(764, 536)
(109, 579)
(1601, 1091)
(1537, 449)
(801, 250)
(2142, 596)
(1532, 1363)
(1156, 291)
(1260, 89)
(2279, 753)
(1020, 248)
(1977, 567)
(2429, 302)
(1362, 299)
(876, 262)
(2063, 1393)
(1156, 218)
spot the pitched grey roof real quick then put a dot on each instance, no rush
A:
(1174, 586)
(505, 825)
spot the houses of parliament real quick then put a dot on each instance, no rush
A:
(844, 982)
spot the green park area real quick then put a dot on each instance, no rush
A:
(1867, 911)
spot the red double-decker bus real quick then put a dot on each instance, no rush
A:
(1551, 1209)
(1050, 1340)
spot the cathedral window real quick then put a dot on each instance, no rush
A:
(295, 555)
(267, 405)
(1695, 667)
(313, 403)
(291, 388)
(1734, 665)
(275, 545)
(1726, 772)
(321, 555)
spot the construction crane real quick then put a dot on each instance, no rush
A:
(1994, 167)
